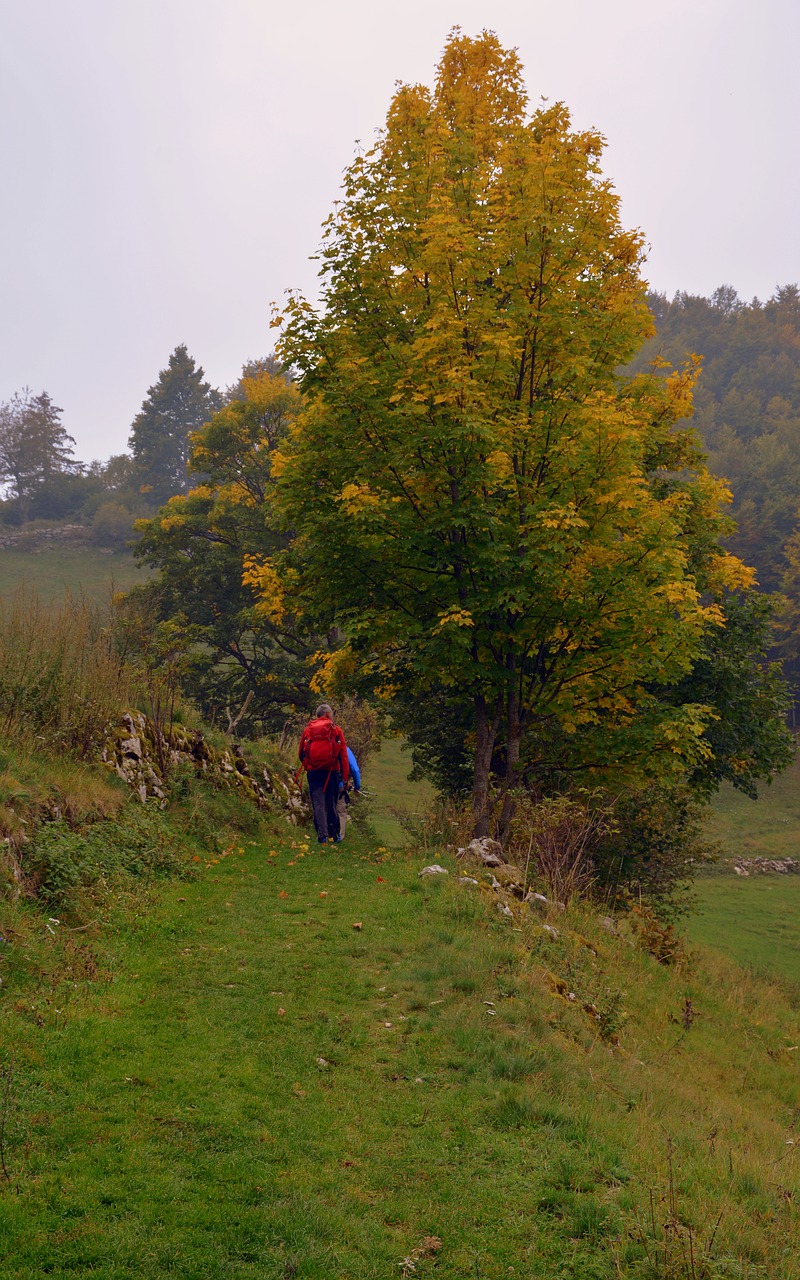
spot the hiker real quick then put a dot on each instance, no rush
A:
(344, 792)
(323, 755)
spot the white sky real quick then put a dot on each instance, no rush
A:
(167, 164)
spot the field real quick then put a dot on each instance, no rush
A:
(767, 827)
(83, 570)
(757, 921)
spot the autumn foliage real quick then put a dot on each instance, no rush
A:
(482, 500)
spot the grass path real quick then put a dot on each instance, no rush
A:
(266, 1090)
(386, 777)
(236, 1081)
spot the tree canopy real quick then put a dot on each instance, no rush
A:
(746, 408)
(203, 544)
(480, 500)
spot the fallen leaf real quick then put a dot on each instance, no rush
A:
(281, 1012)
(324, 893)
(380, 880)
(283, 894)
(357, 925)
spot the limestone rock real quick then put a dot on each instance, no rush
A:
(484, 850)
(767, 866)
(510, 877)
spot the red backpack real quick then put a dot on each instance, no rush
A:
(321, 744)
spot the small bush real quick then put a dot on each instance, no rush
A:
(554, 840)
(59, 861)
(112, 526)
(653, 849)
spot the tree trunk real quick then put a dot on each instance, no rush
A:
(485, 736)
(514, 739)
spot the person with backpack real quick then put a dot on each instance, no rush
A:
(344, 790)
(323, 755)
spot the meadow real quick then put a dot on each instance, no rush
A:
(51, 571)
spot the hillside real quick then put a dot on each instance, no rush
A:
(315, 1063)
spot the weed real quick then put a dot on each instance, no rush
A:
(5, 1084)
(60, 675)
(661, 940)
(60, 860)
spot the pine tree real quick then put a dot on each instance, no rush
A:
(179, 403)
(35, 448)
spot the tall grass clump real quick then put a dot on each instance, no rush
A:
(61, 675)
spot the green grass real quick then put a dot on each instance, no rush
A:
(757, 921)
(768, 827)
(52, 571)
(231, 1080)
(386, 777)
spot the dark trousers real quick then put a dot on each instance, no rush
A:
(323, 787)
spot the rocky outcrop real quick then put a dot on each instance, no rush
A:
(767, 866)
(504, 882)
(28, 539)
(145, 757)
(484, 850)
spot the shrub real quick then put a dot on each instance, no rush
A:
(59, 861)
(112, 525)
(555, 840)
(653, 848)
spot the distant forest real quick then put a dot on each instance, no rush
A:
(747, 413)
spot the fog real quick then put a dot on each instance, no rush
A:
(168, 163)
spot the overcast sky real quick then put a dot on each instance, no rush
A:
(167, 164)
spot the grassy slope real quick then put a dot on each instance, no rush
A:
(83, 570)
(234, 1082)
